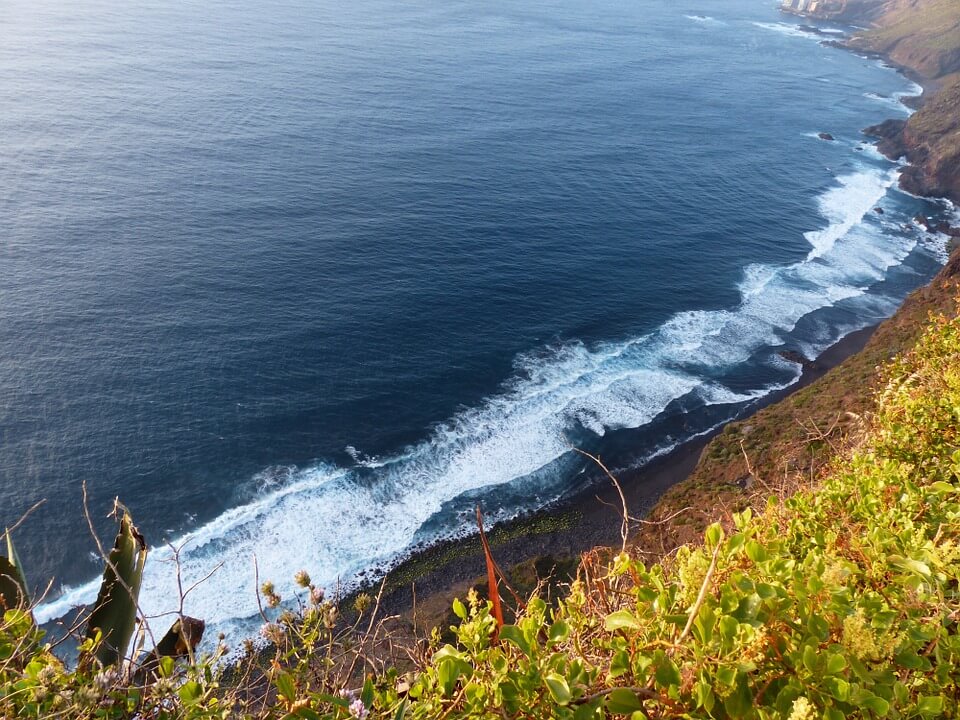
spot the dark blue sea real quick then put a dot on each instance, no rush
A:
(305, 281)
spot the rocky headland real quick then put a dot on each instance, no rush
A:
(922, 38)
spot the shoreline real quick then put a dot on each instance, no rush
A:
(589, 518)
(426, 582)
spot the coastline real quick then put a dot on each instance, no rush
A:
(550, 540)
(422, 587)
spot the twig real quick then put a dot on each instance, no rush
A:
(366, 635)
(750, 469)
(625, 517)
(641, 691)
(701, 596)
(23, 517)
(256, 584)
(665, 520)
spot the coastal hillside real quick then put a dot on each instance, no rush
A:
(923, 37)
(798, 436)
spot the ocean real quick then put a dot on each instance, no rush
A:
(306, 281)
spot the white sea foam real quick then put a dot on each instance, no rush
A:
(895, 101)
(845, 205)
(337, 522)
(705, 19)
(788, 29)
(937, 244)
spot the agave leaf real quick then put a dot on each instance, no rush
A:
(11, 592)
(14, 591)
(492, 585)
(115, 613)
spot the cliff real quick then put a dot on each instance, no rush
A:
(922, 37)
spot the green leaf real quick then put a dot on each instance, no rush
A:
(875, 704)
(459, 609)
(704, 695)
(513, 634)
(755, 551)
(837, 688)
(726, 675)
(366, 695)
(835, 664)
(930, 706)
(810, 658)
(14, 570)
(559, 631)
(401, 710)
(728, 627)
(621, 620)
(911, 565)
(912, 661)
(740, 702)
(860, 669)
(286, 686)
(333, 700)
(558, 687)
(713, 535)
(448, 672)
(307, 714)
(589, 711)
(619, 664)
(766, 591)
(667, 673)
(189, 692)
(623, 701)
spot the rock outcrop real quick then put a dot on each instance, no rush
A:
(923, 38)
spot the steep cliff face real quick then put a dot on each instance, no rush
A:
(932, 140)
(923, 36)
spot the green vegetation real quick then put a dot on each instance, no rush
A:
(840, 600)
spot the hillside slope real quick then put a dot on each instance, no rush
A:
(801, 433)
(922, 37)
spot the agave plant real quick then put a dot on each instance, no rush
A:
(115, 613)
(14, 592)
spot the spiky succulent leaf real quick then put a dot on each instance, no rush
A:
(115, 612)
(11, 592)
(13, 583)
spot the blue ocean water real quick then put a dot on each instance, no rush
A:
(307, 280)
